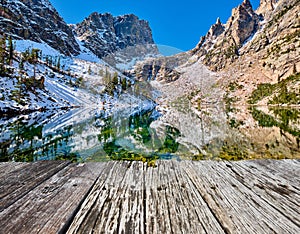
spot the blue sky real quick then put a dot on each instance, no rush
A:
(178, 24)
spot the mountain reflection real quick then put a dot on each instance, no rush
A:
(85, 135)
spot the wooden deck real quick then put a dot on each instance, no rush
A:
(129, 197)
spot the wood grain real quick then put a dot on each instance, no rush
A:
(260, 196)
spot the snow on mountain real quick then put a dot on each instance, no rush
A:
(69, 70)
(37, 21)
(120, 41)
(87, 55)
(59, 89)
(76, 82)
(23, 45)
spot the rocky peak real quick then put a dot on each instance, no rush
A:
(131, 31)
(268, 39)
(95, 22)
(246, 4)
(222, 42)
(207, 40)
(37, 20)
(242, 23)
(106, 35)
(266, 6)
(216, 29)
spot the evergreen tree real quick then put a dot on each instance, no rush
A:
(124, 84)
(294, 69)
(115, 79)
(107, 77)
(34, 57)
(26, 55)
(17, 92)
(58, 63)
(10, 51)
(21, 64)
(2, 55)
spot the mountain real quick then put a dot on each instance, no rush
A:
(270, 32)
(268, 54)
(160, 69)
(221, 44)
(277, 41)
(252, 47)
(248, 69)
(116, 39)
(266, 7)
(253, 58)
(103, 34)
(37, 20)
(47, 64)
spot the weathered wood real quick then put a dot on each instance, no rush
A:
(286, 169)
(278, 191)
(230, 193)
(192, 197)
(260, 196)
(48, 207)
(173, 203)
(18, 180)
(114, 204)
(6, 167)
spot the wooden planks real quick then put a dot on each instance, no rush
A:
(173, 203)
(16, 180)
(129, 197)
(193, 197)
(241, 201)
(115, 204)
(49, 206)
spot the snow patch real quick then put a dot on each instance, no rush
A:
(23, 45)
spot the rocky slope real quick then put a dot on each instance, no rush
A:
(38, 21)
(161, 69)
(221, 44)
(253, 47)
(46, 65)
(269, 34)
(270, 56)
(103, 34)
(116, 38)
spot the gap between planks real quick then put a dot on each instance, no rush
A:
(128, 197)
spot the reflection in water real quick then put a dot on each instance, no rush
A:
(26, 138)
(285, 118)
(82, 135)
(284, 130)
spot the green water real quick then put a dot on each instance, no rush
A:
(79, 136)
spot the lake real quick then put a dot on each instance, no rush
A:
(214, 132)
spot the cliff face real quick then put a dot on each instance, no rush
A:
(37, 20)
(161, 69)
(253, 47)
(105, 34)
(272, 32)
(266, 7)
(277, 43)
(270, 56)
(221, 44)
